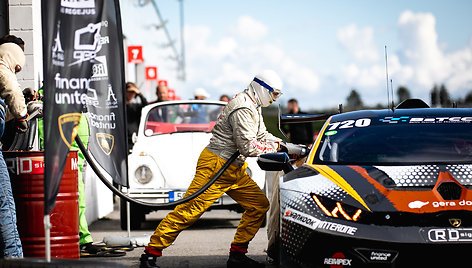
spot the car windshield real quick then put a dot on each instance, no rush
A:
(188, 117)
(400, 141)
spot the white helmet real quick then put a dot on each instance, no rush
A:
(267, 87)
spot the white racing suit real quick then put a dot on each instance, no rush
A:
(239, 127)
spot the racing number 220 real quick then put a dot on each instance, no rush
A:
(362, 122)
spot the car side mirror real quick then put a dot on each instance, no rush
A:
(134, 137)
(275, 162)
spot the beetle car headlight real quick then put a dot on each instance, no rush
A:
(143, 174)
(337, 209)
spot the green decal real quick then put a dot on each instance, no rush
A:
(329, 133)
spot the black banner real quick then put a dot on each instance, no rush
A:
(83, 71)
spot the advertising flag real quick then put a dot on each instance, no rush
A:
(83, 73)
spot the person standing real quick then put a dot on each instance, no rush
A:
(239, 128)
(300, 133)
(162, 93)
(133, 110)
(12, 106)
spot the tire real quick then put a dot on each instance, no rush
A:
(137, 216)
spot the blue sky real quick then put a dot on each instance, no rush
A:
(321, 49)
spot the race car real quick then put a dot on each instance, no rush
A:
(170, 138)
(380, 188)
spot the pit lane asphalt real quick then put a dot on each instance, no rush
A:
(205, 244)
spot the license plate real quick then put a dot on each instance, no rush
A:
(174, 196)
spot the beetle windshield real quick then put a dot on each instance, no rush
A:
(403, 140)
(188, 117)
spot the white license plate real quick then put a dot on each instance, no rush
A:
(175, 195)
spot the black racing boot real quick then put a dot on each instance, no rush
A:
(239, 259)
(148, 261)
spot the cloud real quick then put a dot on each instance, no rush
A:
(227, 65)
(359, 42)
(419, 63)
(250, 29)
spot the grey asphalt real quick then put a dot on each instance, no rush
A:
(205, 244)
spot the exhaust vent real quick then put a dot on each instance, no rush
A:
(449, 191)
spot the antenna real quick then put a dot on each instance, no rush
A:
(386, 74)
(391, 90)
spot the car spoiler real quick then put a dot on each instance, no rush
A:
(300, 118)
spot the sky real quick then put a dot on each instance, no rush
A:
(321, 49)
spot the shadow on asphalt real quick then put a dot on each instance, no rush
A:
(107, 224)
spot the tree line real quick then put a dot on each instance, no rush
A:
(439, 97)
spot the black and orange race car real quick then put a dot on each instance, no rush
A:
(380, 188)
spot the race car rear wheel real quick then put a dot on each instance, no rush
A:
(137, 216)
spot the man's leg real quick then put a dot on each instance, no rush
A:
(10, 243)
(186, 214)
(248, 194)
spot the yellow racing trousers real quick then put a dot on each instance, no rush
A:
(235, 182)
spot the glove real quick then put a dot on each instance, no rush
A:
(31, 95)
(297, 151)
(35, 109)
(21, 126)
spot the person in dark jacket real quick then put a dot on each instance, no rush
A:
(300, 133)
(133, 110)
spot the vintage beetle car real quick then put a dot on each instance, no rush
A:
(380, 188)
(162, 164)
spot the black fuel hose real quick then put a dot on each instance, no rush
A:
(160, 205)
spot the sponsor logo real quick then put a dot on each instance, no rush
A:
(112, 102)
(88, 42)
(78, 7)
(301, 218)
(434, 120)
(106, 142)
(57, 51)
(314, 223)
(450, 235)
(417, 204)
(74, 84)
(441, 204)
(338, 259)
(99, 68)
(340, 228)
(377, 256)
(66, 121)
(102, 121)
(455, 222)
(394, 120)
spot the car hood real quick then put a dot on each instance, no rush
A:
(412, 188)
(176, 155)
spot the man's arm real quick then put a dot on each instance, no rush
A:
(243, 123)
(12, 94)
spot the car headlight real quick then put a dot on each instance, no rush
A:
(337, 209)
(143, 174)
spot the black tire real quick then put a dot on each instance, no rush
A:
(137, 216)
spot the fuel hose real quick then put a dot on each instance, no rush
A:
(110, 186)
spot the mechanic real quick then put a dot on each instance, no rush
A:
(239, 127)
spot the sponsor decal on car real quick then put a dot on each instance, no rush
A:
(441, 204)
(337, 260)
(314, 223)
(433, 120)
(450, 235)
(377, 256)
(417, 204)
(301, 218)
